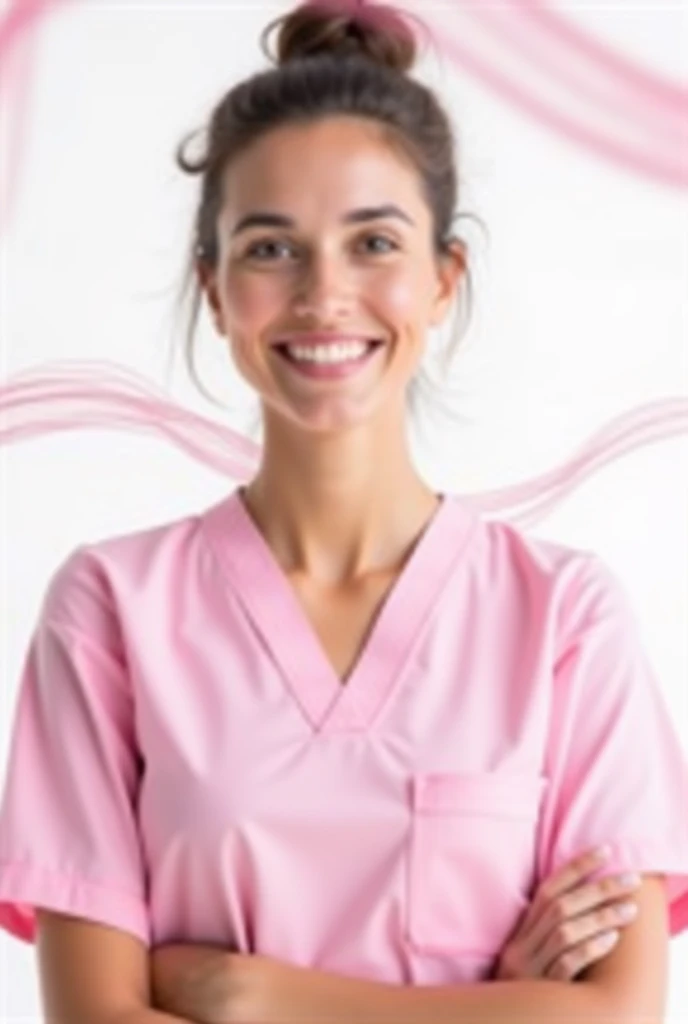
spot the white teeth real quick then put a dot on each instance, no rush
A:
(337, 353)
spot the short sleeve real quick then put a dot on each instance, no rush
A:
(69, 840)
(617, 772)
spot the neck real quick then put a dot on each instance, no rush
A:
(337, 530)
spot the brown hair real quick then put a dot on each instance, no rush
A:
(334, 57)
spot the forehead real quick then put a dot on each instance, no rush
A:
(331, 164)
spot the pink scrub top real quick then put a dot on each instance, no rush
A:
(186, 766)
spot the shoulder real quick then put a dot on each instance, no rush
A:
(98, 579)
(551, 582)
(564, 597)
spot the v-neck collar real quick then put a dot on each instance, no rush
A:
(259, 582)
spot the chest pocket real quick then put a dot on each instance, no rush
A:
(471, 859)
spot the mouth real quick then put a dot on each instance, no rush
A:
(325, 370)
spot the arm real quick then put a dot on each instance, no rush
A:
(627, 987)
(149, 1017)
(93, 974)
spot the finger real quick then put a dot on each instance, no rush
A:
(556, 885)
(574, 933)
(587, 902)
(604, 891)
(571, 875)
(573, 961)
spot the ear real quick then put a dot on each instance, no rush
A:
(450, 271)
(207, 281)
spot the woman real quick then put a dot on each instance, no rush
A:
(337, 746)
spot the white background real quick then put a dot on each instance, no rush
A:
(581, 314)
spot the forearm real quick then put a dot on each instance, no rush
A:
(150, 1016)
(535, 1001)
(195, 983)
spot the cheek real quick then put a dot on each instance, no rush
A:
(403, 297)
(249, 300)
(243, 312)
(252, 303)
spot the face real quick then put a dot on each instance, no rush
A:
(373, 277)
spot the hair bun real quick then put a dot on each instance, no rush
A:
(345, 27)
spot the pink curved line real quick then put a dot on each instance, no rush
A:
(548, 490)
(649, 162)
(600, 86)
(672, 172)
(93, 394)
(19, 24)
(22, 16)
(645, 83)
(18, 123)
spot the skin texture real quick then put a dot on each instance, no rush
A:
(336, 494)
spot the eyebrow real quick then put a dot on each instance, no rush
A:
(266, 219)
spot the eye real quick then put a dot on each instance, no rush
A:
(382, 238)
(253, 249)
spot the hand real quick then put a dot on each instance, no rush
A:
(197, 982)
(568, 925)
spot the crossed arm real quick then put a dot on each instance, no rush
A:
(627, 987)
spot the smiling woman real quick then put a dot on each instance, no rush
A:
(332, 270)
(337, 718)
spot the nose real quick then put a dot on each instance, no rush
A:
(324, 289)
